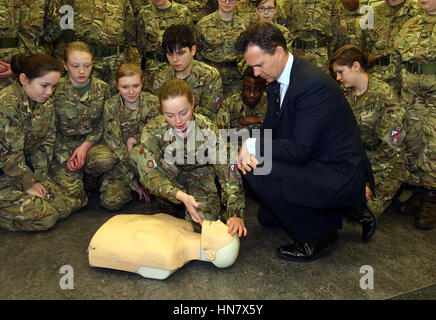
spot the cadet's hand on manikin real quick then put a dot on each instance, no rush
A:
(236, 226)
(191, 205)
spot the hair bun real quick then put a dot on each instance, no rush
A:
(17, 62)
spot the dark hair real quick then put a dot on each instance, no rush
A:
(259, 2)
(174, 88)
(262, 34)
(34, 65)
(350, 53)
(177, 36)
(249, 73)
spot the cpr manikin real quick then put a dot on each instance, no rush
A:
(155, 246)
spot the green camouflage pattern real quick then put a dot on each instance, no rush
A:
(417, 43)
(233, 109)
(216, 47)
(152, 23)
(387, 24)
(380, 115)
(137, 4)
(197, 8)
(98, 23)
(26, 148)
(164, 178)
(312, 20)
(78, 119)
(111, 157)
(205, 83)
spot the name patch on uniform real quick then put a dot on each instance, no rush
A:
(235, 171)
(396, 137)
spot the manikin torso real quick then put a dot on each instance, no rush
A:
(155, 246)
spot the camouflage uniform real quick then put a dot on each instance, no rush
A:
(110, 157)
(21, 25)
(78, 119)
(415, 59)
(313, 26)
(353, 24)
(216, 47)
(233, 109)
(205, 82)
(137, 4)
(380, 116)
(164, 178)
(152, 23)
(197, 8)
(388, 21)
(109, 27)
(26, 148)
(246, 9)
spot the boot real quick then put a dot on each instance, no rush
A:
(412, 205)
(91, 184)
(426, 217)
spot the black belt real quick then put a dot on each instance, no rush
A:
(421, 68)
(302, 44)
(383, 61)
(156, 55)
(106, 51)
(8, 43)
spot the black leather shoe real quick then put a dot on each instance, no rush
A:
(309, 251)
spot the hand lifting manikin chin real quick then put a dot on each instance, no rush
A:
(155, 246)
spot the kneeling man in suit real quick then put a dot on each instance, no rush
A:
(319, 168)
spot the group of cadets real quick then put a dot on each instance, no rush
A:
(103, 118)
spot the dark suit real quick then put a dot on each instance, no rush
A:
(318, 163)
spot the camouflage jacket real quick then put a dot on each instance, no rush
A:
(205, 82)
(217, 39)
(121, 123)
(387, 23)
(26, 139)
(78, 118)
(152, 23)
(159, 139)
(380, 116)
(236, 109)
(97, 22)
(416, 43)
(196, 7)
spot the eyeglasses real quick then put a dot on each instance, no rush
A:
(269, 9)
(230, 1)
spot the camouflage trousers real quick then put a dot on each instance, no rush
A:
(115, 191)
(387, 185)
(198, 182)
(317, 56)
(20, 211)
(419, 96)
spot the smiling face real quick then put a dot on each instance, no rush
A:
(130, 88)
(178, 112)
(40, 89)
(79, 67)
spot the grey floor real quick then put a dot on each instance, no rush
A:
(402, 259)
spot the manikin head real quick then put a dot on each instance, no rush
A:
(155, 246)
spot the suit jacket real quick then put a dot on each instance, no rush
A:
(316, 142)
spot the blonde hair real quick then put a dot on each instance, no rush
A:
(127, 70)
(76, 46)
(174, 88)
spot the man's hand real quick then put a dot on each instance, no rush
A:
(246, 162)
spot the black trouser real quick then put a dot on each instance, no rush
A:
(303, 224)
